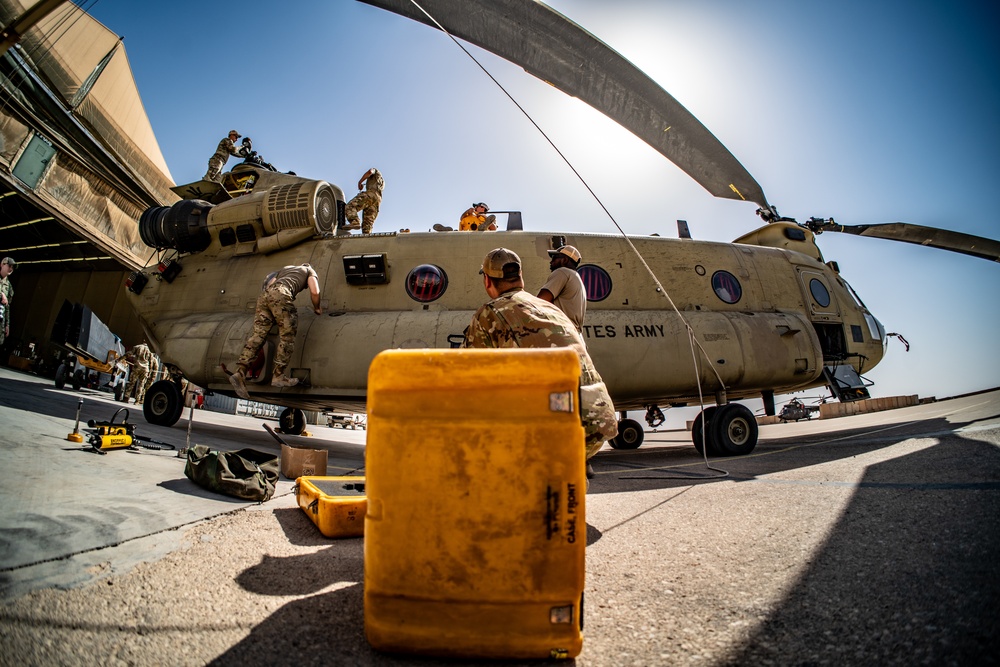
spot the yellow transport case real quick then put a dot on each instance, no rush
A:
(335, 504)
(475, 531)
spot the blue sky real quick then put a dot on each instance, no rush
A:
(864, 112)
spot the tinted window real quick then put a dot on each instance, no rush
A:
(596, 281)
(819, 292)
(426, 283)
(726, 286)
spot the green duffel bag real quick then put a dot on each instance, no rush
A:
(245, 473)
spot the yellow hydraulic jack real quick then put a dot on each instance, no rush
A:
(119, 435)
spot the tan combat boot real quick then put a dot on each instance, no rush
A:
(281, 380)
(238, 381)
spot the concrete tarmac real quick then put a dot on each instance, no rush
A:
(862, 540)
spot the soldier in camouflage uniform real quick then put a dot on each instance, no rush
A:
(6, 296)
(139, 358)
(276, 303)
(218, 160)
(154, 371)
(367, 202)
(515, 318)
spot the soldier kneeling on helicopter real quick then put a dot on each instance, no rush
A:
(276, 303)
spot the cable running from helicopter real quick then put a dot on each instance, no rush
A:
(691, 336)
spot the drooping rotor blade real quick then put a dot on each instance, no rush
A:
(558, 51)
(945, 239)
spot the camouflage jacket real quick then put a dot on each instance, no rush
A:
(227, 148)
(375, 183)
(141, 355)
(7, 290)
(519, 319)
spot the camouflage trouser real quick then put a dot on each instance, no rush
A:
(367, 202)
(136, 383)
(214, 172)
(598, 415)
(274, 305)
(150, 379)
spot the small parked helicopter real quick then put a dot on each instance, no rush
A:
(765, 314)
(794, 410)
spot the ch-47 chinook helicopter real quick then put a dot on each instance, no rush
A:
(765, 315)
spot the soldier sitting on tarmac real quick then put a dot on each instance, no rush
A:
(276, 303)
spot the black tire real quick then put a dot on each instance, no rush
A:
(735, 429)
(163, 404)
(698, 428)
(78, 379)
(630, 435)
(120, 392)
(292, 421)
(61, 373)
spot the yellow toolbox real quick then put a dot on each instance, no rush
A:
(335, 504)
(475, 530)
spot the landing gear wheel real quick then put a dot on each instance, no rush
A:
(630, 435)
(163, 403)
(61, 376)
(78, 379)
(292, 421)
(698, 429)
(120, 392)
(735, 429)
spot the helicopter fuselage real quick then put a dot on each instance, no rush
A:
(762, 314)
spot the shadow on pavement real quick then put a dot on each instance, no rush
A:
(907, 576)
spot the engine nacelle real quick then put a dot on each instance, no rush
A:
(190, 225)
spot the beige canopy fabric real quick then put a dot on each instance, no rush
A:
(86, 65)
(70, 87)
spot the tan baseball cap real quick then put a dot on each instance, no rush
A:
(238, 135)
(501, 263)
(10, 262)
(567, 250)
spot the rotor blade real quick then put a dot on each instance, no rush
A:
(551, 47)
(967, 244)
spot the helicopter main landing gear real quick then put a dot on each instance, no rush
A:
(630, 434)
(163, 403)
(725, 430)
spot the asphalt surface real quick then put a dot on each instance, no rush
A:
(862, 540)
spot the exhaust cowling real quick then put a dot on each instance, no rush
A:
(190, 225)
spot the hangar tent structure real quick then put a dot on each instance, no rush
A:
(78, 164)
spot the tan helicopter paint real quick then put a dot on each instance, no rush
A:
(764, 341)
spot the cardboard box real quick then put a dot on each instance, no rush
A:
(298, 461)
